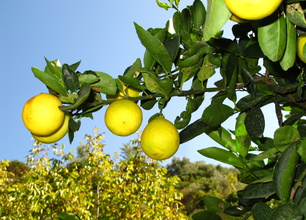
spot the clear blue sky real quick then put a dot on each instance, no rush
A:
(99, 33)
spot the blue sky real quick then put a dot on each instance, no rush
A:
(99, 33)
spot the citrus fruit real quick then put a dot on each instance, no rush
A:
(123, 117)
(252, 9)
(126, 92)
(237, 19)
(57, 135)
(301, 40)
(41, 115)
(160, 139)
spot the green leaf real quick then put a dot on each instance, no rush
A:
(295, 14)
(70, 78)
(217, 15)
(214, 204)
(50, 81)
(82, 96)
(194, 129)
(163, 5)
(284, 172)
(302, 150)
(207, 70)
(74, 126)
(286, 212)
(284, 136)
(223, 156)
(243, 140)
(198, 14)
(54, 68)
(224, 138)
(261, 211)
(216, 113)
(258, 191)
(288, 59)
(154, 84)
(133, 71)
(302, 206)
(255, 122)
(272, 37)
(155, 47)
(106, 84)
(88, 77)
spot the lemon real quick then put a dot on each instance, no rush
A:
(252, 9)
(160, 139)
(237, 19)
(123, 117)
(41, 115)
(127, 92)
(301, 40)
(58, 135)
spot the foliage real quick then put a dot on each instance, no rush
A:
(98, 188)
(199, 180)
(259, 63)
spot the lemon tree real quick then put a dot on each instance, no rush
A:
(123, 117)
(160, 139)
(41, 114)
(261, 65)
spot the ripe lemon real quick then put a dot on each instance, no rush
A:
(237, 19)
(160, 139)
(41, 115)
(252, 9)
(127, 92)
(123, 117)
(301, 40)
(58, 135)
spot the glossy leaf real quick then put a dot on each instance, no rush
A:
(217, 15)
(74, 126)
(224, 138)
(261, 211)
(255, 122)
(50, 81)
(284, 172)
(302, 150)
(198, 14)
(296, 15)
(155, 47)
(82, 96)
(154, 84)
(54, 68)
(70, 78)
(258, 190)
(286, 212)
(272, 37)
(133, 70)
(243, 140)
(194, 129)
(288, 59)
(216, 113)
(223, 156)
(284, 136)
(88, 77)
(207, 215)
(148, 59)
(106, 84)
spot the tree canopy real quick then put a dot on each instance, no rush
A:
(260, 62)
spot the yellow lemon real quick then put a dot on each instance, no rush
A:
(160, 139)
(127, 92)
(252, 9)
(58, 135)
(301, 40)
(123, 117)
(237, 19)
(41, 115)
